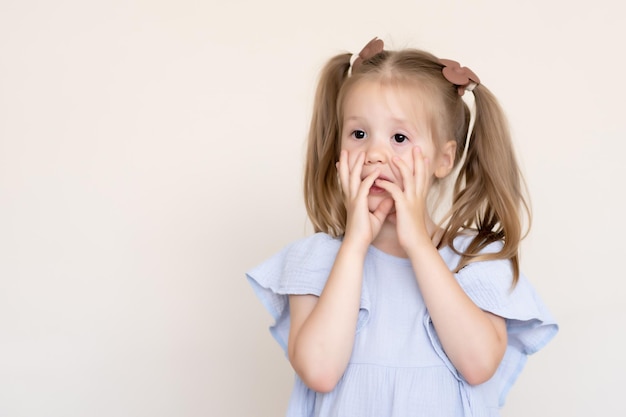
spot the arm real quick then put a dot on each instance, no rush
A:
(322, 330)
(474, 340)
(321, 336)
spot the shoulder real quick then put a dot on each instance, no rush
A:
(316, 241)
(451, 253)
(316, 249)
(300, 260)
(462, 241)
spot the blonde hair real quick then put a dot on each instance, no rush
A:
(487, 196)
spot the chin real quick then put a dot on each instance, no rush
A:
(373, 202)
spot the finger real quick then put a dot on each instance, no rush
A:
(355, 173)
(393, 189)
(356, 163)
(344, 171)
(406, 173)
(421, 170)
(426, 177)
(383, 209)
(418, 162)
(367, 183)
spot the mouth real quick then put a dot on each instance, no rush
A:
(374, 189)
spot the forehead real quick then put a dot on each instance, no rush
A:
(392, 98)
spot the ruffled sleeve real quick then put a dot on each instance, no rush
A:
(300, 268)
(530, 326)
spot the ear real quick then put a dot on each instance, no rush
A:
(445, 159)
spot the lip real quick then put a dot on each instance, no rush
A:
(374, 189)
(380, 177)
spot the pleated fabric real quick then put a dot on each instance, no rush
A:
(398, 367)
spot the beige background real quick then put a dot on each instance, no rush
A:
(151, 152)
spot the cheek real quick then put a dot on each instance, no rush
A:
(353, 152)
(407, 158)
(344, 146)
(348, 145)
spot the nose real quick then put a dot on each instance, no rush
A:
(375, 154)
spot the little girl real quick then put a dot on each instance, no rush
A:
(385, 311)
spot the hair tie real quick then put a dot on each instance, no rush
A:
(353, 59)
(373, 47)
(463, 77)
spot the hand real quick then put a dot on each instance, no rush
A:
(362, 226)
(410, 203)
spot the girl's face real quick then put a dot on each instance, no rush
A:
(383, 121)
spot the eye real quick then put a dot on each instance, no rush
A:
(359, 134)
(399, 138)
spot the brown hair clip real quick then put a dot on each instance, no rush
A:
(373, 47)
(463, 77)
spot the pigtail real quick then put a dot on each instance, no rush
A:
(488, 194)
(488, 198)
(322, 194)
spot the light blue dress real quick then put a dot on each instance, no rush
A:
(398, 367)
